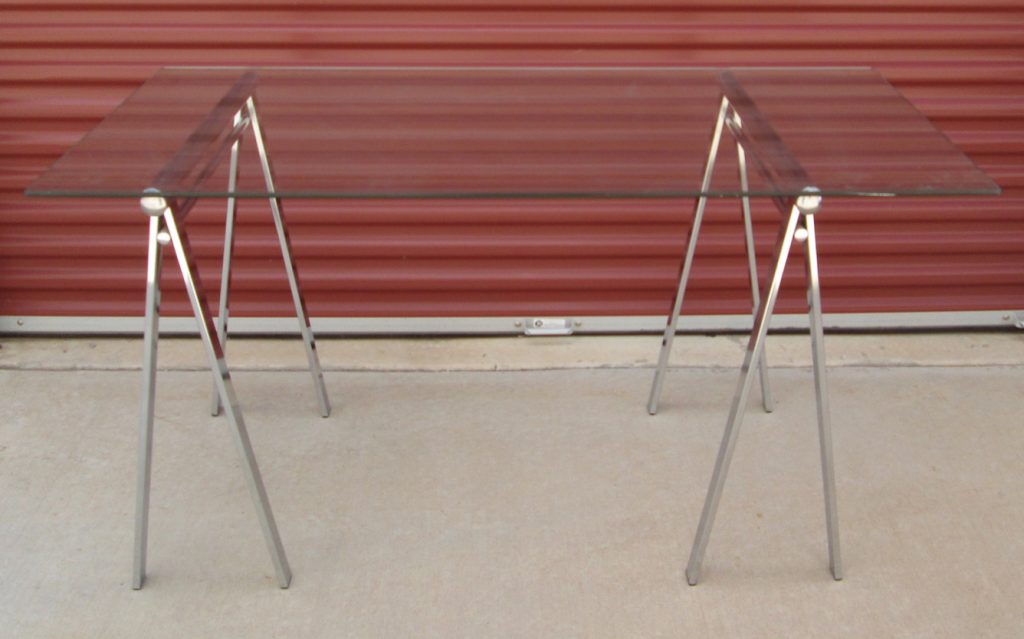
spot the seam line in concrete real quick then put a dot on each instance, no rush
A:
(708, 367)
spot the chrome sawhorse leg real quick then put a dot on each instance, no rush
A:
(229, 249)
(163, 229)
(145, 461)
(755, 286)
(799, 225)
(684, 273)
(286, 253)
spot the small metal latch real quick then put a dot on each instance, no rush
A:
(536, 326)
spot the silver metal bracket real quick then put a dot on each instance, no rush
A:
(153, 204)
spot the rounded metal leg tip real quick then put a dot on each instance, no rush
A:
(692, 578)
(652, 409)
(323, 402)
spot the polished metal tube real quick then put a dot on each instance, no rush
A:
(821, 392)
(684, 271)
(229, 248)
(226, 390)
(289, 264)
(748, 233)
(151, 329)
(755, 348)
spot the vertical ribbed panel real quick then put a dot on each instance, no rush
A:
(64, 65)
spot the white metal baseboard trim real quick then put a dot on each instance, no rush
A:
(325, 326)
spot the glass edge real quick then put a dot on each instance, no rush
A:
(562, 68)
(440, 195)
(945, 136)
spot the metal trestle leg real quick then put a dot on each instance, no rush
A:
(163, 226)
(803, 211)
(724, 112)
(145, 459)
(748, 234)
(289, 265)
(684, 271)
(828, 475)
(229, 249)
(309, 342)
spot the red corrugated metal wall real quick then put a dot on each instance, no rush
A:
(64, 65)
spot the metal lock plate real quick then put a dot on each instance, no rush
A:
(538, 326)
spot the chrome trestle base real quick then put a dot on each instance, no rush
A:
(165, 227)
(725, 112)
(284, 241)
(797, 227)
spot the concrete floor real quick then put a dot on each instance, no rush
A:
(516, 488)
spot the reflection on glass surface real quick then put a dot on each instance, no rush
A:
(583, 132)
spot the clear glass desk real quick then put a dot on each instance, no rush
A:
(809, 134)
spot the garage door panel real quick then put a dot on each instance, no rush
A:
(64, 66)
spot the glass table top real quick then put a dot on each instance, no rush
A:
(514, 132)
